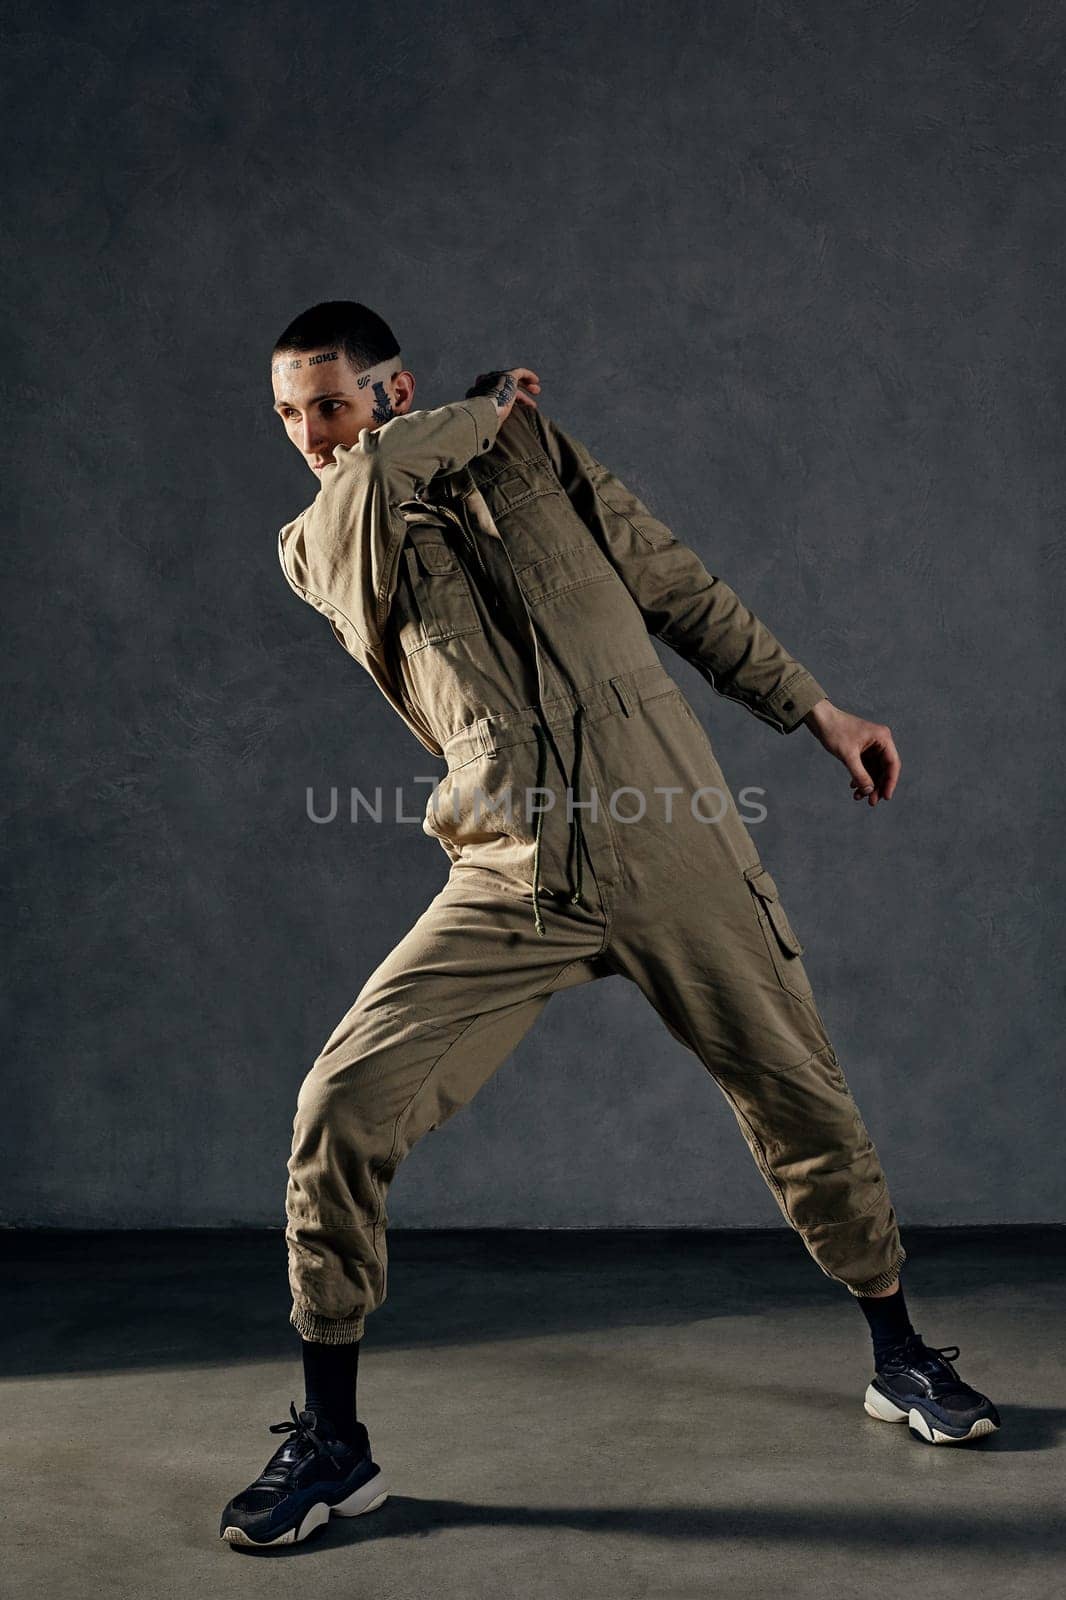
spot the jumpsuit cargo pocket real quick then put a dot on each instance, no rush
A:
(441, 593)
(784, 947)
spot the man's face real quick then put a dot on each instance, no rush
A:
(322, 401)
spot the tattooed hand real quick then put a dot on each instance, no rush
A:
(506, 387)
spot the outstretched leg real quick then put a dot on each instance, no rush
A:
(721, 964)
(431, 1025)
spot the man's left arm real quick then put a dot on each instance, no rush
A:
(697, 614)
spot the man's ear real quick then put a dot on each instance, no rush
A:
(406, 398)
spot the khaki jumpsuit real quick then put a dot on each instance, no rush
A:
(502, 587)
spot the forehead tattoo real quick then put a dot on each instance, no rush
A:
(292, 365)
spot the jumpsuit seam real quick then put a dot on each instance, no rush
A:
(402, 1115)
(781, 1072)
(762, 1160)
(393, 550)
(756, 704)
(612, 835)
(574, 831)
(882, 1185)
(560, 707)
(576, 962)
(563, 550)
(577, 583)
(328, 608)
(763, 1072)
(384, 1166)
(637, 529)
(825, 1172)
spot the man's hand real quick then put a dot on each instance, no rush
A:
(506, 387)
(866, 749)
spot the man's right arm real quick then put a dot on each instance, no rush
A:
(340, 554)
(411, 448)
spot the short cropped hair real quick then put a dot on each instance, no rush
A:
(345, 325)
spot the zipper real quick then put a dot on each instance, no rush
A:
(470, 539)
(574, 828)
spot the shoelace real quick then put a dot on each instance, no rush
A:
(926, 1357)
(299, 1430)
(575, 821)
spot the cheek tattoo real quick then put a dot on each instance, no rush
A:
(383, 411)
(375, 377)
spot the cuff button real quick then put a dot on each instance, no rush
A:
(789, 704)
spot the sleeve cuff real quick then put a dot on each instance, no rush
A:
(791, 703)
(486, 418)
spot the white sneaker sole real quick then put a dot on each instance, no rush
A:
(875, 1404)
(367, 1497)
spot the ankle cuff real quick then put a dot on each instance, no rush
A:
(326, 1330)
(884, 1280)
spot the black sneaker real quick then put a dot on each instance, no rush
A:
(312, 1474)
(917, 1384)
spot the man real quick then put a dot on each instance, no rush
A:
(502, 587)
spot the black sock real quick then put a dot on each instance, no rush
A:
(330, 1372)
(888, 1320)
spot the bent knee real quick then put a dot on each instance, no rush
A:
(355, 1095)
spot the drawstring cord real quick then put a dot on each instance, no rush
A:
(542, 753)
(575, 822)
(575, 787)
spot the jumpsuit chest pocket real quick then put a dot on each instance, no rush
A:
(552, 550)
(782, 943)
(441, 602)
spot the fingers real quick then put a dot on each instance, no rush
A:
(528, 384)
(862, 785)
(523, 376)
(527, 381)
(894, 766)
(524, 380)
(875, 770)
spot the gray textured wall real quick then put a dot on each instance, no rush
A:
(794, 272)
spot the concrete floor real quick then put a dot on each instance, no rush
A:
(562, 1416)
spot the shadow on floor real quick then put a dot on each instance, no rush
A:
(836, 1527)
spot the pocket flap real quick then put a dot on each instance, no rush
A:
(764, 886)
(434, 556)
(517, 483)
